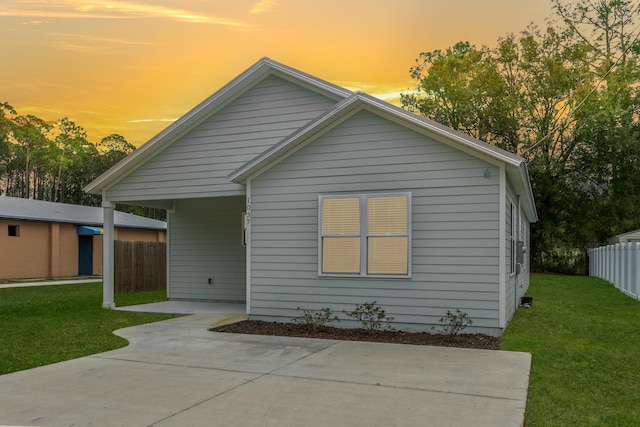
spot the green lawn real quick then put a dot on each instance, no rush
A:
(48, 324)
(584, 336)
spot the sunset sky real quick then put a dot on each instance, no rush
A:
(132, 67)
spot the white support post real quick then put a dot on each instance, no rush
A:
(107, 255)
(248, 248)
(502, 251)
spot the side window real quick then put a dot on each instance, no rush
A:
(513, 239)
(14, 231)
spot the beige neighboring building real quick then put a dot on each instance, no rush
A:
(46, 239)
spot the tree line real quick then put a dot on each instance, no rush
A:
(565, 97)
(52, 161)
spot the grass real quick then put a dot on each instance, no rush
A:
(142, 297)
(48, 324)
(584, 336)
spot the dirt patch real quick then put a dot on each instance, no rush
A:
(257, 327)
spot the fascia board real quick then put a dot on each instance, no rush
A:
(524, 176)
(318, 85)
(520, 182)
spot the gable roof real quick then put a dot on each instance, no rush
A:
(347, 103)
(17, 209)
(516, 166)
(236, 87)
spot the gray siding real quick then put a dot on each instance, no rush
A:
(510, 295)
(196, 164)
(205, 241)
(455, 237)
(516, 285)
(526, 234)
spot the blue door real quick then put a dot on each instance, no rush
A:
(85, 255)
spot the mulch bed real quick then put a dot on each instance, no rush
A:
(257, 327)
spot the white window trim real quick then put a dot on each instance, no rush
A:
(364, 235)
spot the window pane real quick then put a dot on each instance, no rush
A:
(387, 215)
(341, 255)
(341, 215)
(388, 255)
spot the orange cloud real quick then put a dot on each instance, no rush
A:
(263, 6)
(107, 9)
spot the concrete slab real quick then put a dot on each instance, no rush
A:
(108, 392)
(187, 307)
(279, 401)
(493, 373)
(176, 373)
(186, 341)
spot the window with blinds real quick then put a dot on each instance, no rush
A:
(365, 235)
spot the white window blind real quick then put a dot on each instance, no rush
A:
(341, 216)
(387, 215)
(341, 235)
(387, 239)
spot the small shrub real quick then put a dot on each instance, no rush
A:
(453, 323)
(371, 316)
(315, 320)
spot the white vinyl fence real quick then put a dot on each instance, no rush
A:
(618, 264)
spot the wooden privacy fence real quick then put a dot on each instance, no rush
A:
(140, 266)
(618, 264)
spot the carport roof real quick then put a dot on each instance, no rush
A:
(14, 208)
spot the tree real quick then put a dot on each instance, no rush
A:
(115, 148)
(606, 26)
(566, 99)
(71, 142)
(463, 89)
(606, 124)
(7, 112)
(55, 162)
(30, 143)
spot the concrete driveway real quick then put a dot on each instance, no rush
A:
(176, 373)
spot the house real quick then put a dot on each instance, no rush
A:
(285, 191)
(628, 237)
(46, 239)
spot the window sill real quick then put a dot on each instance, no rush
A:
(368, 276)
